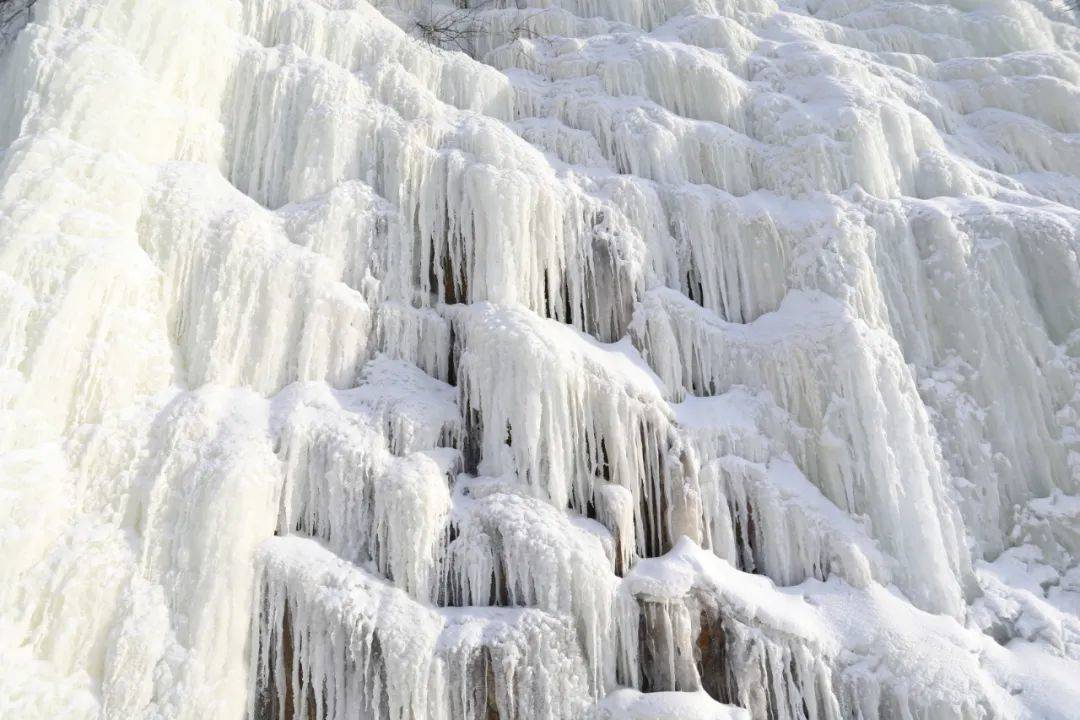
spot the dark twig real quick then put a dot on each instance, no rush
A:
(460, 25)
(456, 26)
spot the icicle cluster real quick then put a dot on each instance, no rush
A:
(637, 359)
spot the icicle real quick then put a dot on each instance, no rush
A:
(856, 467)
(514, 550)
(344, 487)
(333, 641)
(263, 318)
(596, 414)
(694, 639)
(771, 520)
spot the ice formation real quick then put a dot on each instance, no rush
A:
(617, 360)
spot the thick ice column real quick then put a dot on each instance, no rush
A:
(414, 410)
(197, 548)
(474, 226)
(528, 663)
(985, 337)
(595, 414)
(519, 551)
(343, 485)
(698, 637)
(83, 331)
(333, 641)
(891, 473)
(262, 317)
(361, 35)
(770, 519)
(737, 257)
(522, 235)
(820, 650)
(149, 616)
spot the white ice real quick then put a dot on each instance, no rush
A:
(641, 359)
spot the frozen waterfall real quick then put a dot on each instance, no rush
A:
(539, 360)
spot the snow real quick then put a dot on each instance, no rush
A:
(654, 359)
(632, 705)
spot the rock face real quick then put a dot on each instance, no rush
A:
(648, 360)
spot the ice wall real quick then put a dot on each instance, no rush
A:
(650, 359)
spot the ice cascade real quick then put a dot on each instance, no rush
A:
(539, 360)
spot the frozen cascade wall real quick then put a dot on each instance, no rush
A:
(652, 359)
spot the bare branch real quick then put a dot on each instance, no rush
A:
(450, 27)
